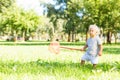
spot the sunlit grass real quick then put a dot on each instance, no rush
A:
(37, 63)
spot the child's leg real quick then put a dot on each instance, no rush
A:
(94, 61)
(94, 66)
(82, 62)
(83, 59)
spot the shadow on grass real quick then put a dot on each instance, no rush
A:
(112, 50)
(41, 66)
(109, 66)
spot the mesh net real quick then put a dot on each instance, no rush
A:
(54, 47)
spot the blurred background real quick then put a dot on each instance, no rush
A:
(39, 20)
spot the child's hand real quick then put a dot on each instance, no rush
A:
(100, 53)
(82, 49)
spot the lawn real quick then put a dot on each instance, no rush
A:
(34, 62)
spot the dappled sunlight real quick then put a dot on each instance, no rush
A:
(32, 53)
(80, 29)
(36, 62)
(57, 69)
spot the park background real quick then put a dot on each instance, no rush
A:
(26, 32)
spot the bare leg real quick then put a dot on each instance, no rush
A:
(94, 66)
(82, 62)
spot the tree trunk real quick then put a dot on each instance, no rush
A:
(101, 33)
(115, 35)
(23, 36)
(73, 36)
(109, 35)
(15, 36)
(69, 37)
(86, 36)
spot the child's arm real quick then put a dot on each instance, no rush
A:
(83, 49)
(100, 51)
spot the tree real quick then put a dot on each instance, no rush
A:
(17, 21)
(79, 14)
(102, 13)
(5, 4)
(55, 13)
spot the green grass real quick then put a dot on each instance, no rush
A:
(37, 63)
(39, 43)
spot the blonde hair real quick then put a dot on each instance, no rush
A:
(95, 28)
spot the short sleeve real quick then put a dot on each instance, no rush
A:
(99, 41)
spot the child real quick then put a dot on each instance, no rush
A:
(94, 47)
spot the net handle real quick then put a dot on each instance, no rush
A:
(70, 48)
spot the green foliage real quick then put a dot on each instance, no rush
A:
(79, 14)
(40, 43)
(16, 21)
(5, 4)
